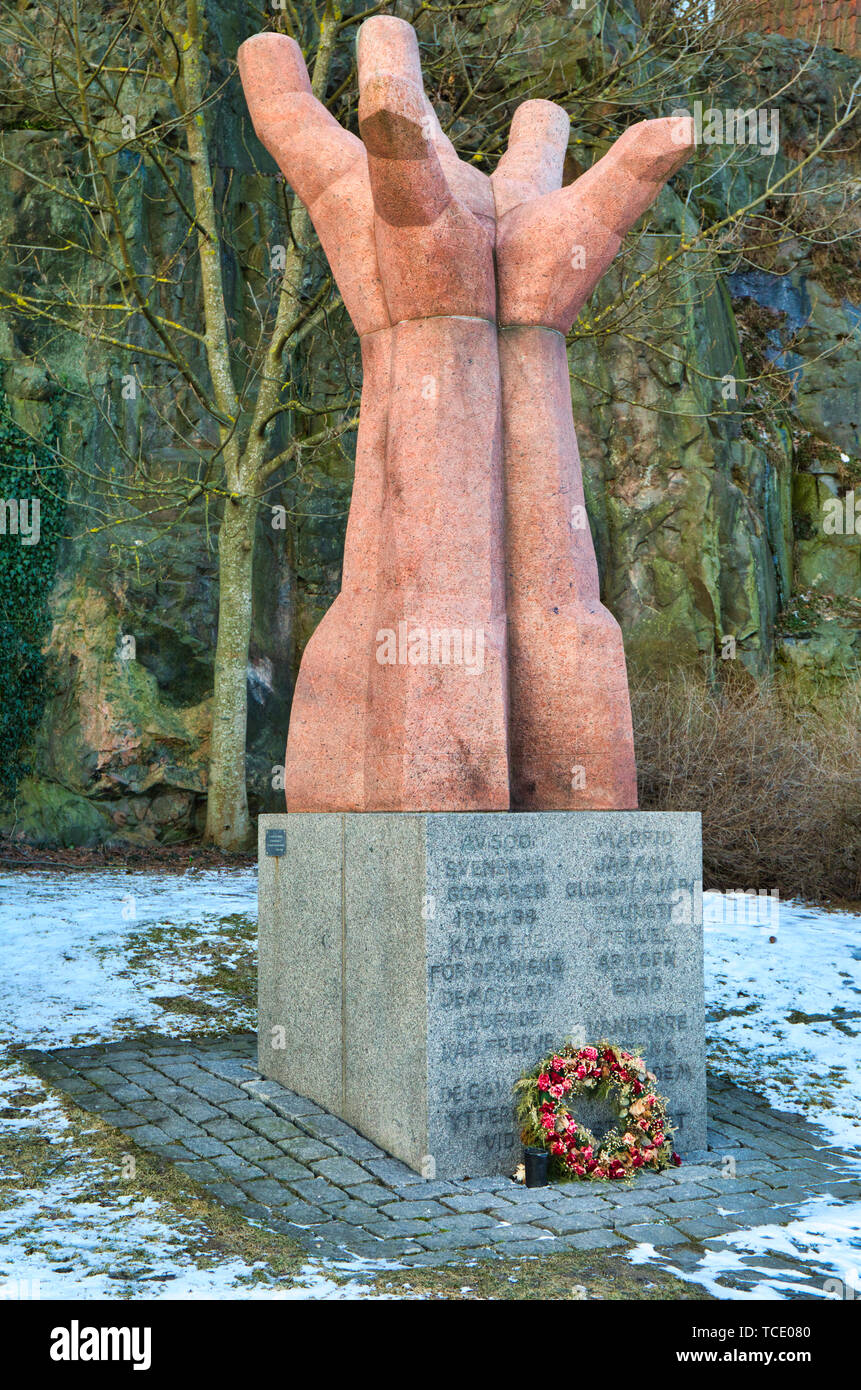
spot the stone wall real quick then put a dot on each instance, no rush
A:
(836, 23)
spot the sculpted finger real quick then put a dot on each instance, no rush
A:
(398, 126)
(388, 45)
(469, 185)
(625, 183)
(532, 163)
(310, 147)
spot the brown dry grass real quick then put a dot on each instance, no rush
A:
(778, 781)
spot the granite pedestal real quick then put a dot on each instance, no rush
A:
(413, 965)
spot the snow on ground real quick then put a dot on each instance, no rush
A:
(784, 1015)
(783, 1000)
(84, 958)
(87, 956)
(818, 1255)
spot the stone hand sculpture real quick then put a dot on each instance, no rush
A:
(467, 663)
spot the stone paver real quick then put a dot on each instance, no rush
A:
(653, 1235)
(282, 1160)
(565, 1225)
(593, 1240)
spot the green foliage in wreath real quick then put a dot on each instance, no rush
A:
(641, 1137)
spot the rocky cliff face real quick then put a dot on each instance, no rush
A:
(707, 493)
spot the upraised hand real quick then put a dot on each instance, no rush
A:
(571, 742)
(409, 233)
(554, 244)
(406, 226)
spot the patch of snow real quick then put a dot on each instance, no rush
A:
(784, 1016)
(68, 944)
(72, 1240)
(818, 1255)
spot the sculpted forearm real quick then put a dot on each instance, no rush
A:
(437, 707)
(571, 743)
(325, 766)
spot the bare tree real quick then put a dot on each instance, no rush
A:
(136, 92)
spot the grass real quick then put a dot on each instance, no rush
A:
(225, 989)
(236, 983)
(574, 1276)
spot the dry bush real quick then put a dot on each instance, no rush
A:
(778, 781)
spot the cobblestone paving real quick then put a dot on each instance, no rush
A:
(285, 1162)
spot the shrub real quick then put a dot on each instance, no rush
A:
(777, 781)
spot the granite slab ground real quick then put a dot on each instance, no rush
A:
(285, 1162)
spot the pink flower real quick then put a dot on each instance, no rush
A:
(587, 1152)
(580, 1072)
(590, 1052)
(659, 1138)
(548, 1122)
(557, 1092)
(544, 1082)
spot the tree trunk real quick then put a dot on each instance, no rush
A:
(228, 824)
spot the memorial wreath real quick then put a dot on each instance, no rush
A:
(642, 1136)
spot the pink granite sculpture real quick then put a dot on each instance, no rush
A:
(467, 663)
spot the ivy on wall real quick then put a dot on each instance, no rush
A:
(28, 471)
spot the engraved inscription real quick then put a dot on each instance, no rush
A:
(528, 947)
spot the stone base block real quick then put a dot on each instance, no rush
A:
(413, 965)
